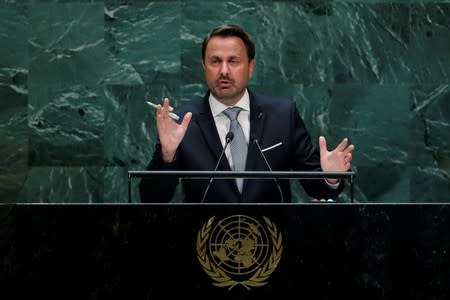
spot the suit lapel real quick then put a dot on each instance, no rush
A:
(208, 128)
(211, 137)
(257, 121)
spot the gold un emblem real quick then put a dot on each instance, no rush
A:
(238, 250)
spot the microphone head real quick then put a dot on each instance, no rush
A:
(229, 137)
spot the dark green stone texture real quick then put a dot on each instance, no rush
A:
(74, 76)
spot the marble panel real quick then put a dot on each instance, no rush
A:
(66, 126)
(143, 41)
(74, 75)
(66, 44)
(13, 100)
(63, 185)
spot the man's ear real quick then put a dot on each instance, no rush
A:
(252, 64)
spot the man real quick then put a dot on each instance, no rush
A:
(274, 125)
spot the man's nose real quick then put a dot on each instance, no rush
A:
(224, 68)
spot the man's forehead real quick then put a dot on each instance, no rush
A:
(231, 46)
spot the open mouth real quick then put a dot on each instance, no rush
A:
(225, 83)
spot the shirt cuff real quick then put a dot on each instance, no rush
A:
(334, 186)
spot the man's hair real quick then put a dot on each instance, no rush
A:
(230, 30)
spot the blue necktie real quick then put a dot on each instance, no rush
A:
(238, 145)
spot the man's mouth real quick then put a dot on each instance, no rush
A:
(225, 83)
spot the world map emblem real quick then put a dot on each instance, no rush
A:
(239, 250)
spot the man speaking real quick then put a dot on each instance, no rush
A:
(233, 129)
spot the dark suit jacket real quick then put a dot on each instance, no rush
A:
(272, 121)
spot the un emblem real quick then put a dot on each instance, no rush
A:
(239, 250)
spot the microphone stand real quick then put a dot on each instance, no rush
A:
(229, 137)
(255, 141)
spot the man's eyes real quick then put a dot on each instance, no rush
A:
(218, 61)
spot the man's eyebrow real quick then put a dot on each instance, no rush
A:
(226, 58)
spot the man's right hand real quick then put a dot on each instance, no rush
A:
(169, 131)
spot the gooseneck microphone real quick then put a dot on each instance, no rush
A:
(228, 138)
(255, 141)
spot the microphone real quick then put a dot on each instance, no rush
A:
(228, 138)
(255, 141)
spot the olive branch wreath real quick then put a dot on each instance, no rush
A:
(258, 279)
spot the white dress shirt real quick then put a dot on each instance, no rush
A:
(223, 123)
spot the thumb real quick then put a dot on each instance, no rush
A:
(186, 119)
(322, 145)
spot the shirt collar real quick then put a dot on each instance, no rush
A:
(218, 107)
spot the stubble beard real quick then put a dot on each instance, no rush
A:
(229, 95)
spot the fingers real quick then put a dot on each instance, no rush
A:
(347, 149)
(348, 158)
(343, 145)
(186, 119)
(339, 159)
(166, 105)
(348, 154)
(164, 109)
(322, 144)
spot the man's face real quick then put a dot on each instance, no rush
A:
(227, 68)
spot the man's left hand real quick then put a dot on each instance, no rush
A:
(337, 160)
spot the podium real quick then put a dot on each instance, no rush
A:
(173, 251)
(275, 175)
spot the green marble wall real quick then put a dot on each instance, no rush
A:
(74, 76)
